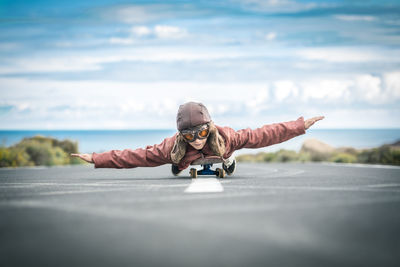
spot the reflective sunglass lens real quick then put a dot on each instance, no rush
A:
(203, 133)
(189, 137)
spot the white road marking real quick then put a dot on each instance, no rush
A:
(384, 185)
(204, 185)
(156, 199)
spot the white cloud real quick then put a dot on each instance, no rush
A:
(120, 104)
(275, 5)
(259, 101)
(137, 13)
(364, 88)
(392, 81)
(339, 55)
(378, 90)
(93, 60)
(72, 104)
(218, 109)
(285, 89)
(270, 36)
(269, 2)
(357, 118)
(22, 106)
(141, 30)
(327, 90)
(355, 18)
(369, 88)
(151, 12)
(49, 64)
(122, 41)
(165, 31)
(158, 31)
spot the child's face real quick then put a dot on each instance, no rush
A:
(199, 143)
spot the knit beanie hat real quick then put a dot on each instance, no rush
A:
(191, 114)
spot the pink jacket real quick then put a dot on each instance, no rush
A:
(160, 154)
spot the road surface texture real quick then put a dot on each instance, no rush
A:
(264, 215)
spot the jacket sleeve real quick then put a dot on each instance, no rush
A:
(267, 135)
(151, 156)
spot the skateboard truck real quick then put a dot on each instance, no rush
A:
(207, 163)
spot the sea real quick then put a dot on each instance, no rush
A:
(104, 140)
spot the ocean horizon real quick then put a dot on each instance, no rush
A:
(104, 140)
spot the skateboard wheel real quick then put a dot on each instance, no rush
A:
(193, 173)
(220, 173)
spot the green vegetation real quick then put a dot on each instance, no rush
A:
(39, 150)
(386, 154)
(279, 156)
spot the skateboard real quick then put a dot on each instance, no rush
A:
(207, 163)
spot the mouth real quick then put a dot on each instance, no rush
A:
(196, 144)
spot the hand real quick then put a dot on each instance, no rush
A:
(85, 157)
(309, 122)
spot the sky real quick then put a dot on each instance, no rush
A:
(130, 64)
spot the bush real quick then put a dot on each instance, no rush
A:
(385, 154)
(382, 155)
(319, 157)
(58, 156)
(304, 156)
(269, 157)
(14, 158)
(245, 158)
(396, 156)
(343, 158)
(286, 155)
(279, 156)
(39, 153)
(66, 145)
(39, 150)
(5, 157)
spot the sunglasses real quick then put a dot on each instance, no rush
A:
(200, 132)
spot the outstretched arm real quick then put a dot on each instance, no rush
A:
(271, 134)
(86, 157)
(150, 156)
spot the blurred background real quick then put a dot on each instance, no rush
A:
(111, 74)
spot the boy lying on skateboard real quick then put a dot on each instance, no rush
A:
(198, 137)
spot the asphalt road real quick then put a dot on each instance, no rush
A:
(264, 215)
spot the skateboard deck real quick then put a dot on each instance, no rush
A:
(207, 160)
(207, 163)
